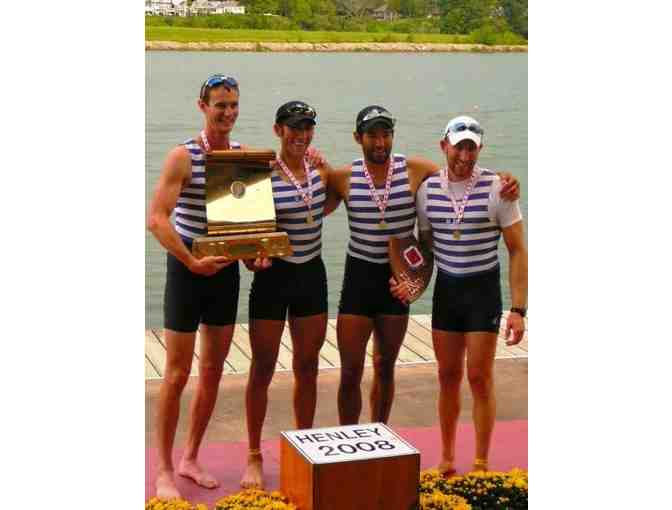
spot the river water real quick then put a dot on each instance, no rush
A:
(422, 90)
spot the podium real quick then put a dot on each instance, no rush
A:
(353, 467)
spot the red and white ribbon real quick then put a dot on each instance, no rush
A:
(206, 144)
(382, 204)
(458, 205)
(307, 197)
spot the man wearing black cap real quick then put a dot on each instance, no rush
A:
(293, 287)
(379, 190)
(198, 291)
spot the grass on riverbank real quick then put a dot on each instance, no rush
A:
(179, 34)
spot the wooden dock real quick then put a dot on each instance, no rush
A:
(417, 348)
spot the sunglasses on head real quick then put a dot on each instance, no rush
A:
(218, 79)
(375, 114)
(461, 126)
(299, 109)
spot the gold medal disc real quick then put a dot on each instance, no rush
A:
(456, 234)
(382, 224)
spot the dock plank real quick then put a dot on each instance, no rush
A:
(417, 348)
(331, 341)
(406, 355)
(155, 352)
(329, 353)
(424, 320)
(150, 371)
(368, 361)
(159, 334)
(228, 368)
(420, 340)
(285, 354)
(241, 338)
(245, 330)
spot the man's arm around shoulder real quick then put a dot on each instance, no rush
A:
(337, 181)
(418, 170)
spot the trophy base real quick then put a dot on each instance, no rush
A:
(243, 246)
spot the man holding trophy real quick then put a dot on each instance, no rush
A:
(198, 290)
(294, 287)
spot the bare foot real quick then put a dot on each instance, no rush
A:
(165, 486)
(253, 478)
(190, 469)
(446, 468)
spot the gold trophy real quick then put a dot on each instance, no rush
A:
(239, 207)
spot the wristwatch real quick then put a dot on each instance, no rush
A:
(520, 311)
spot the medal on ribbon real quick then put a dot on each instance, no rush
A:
(206, 144)
(458, 205)
(382, 204)
(306, 196)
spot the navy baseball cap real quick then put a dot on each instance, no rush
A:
(294, 113)
(372, 116)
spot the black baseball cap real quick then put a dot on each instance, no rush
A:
(372, 116)
(294, 113)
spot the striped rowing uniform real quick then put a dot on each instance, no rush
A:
(190, 217)
(485, 214)
(291, 214)
(367, 240)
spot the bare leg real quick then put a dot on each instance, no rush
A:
(353, 332)
(215, 345)
(308, 335)
(265, 343)
(480, 364)
(180, 350)
(389, 333)
(449, 348)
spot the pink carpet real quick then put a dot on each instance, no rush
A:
(226, 460)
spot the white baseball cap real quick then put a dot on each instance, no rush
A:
(463, 128)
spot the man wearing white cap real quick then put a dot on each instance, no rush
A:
(379, 190)
(460, 217)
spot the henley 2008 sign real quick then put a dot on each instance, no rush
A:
(348, 443)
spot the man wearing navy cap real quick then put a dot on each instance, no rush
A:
(294, 287)
(379, 190)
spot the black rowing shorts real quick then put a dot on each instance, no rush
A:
(465, 304)
(192, 298)
(366, 290)
(300, 289)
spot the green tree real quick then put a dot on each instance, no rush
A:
(407, 8)
(394, 5)
(515, 12)
(302, 10)
(322, 7)
(463, 16)
(260, 6)
(286, 8)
